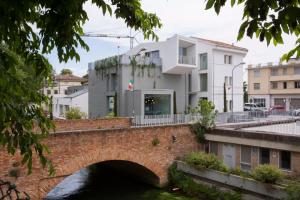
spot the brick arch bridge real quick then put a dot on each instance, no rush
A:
(74, 150)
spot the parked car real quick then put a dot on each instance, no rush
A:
(277, 109)
(259, 112)
(295, 112)
(250, 106)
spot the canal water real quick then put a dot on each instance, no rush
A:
(105, 183)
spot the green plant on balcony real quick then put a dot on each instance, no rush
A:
(202, 160)
(155, 142)
(267, 174)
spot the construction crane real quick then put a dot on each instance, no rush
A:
(132, 38)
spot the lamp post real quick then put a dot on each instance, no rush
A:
(133, 69)
(242, 63)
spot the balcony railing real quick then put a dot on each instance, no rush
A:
(186, 60)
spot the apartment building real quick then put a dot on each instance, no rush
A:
(275, 84)
(61, 83)
(163, 78)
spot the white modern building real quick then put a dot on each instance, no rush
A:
(168, 77)
(78, 99)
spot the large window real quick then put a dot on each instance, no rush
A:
(261, 102)
(203, 82)
(203, 61)
(256, 72)
(256, 86)
(285, 160)
(246, 158)
(157, 104)
(264, 156)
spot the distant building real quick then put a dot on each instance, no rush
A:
(275, 84)
(167, 78)
(78, 99)
(61, 84)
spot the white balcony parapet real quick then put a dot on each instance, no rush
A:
(189, 60)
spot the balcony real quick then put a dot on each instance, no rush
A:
(285, 91)
(186, 60)
(285, 77)
(180, 55)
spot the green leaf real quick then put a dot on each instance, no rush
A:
(242, 30)
(209, 4)
(232, 3)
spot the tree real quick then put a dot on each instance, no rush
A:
(245, 91)
(66, 71)
(267, 20)
(28, 30)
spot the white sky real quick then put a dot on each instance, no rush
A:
(184, 17)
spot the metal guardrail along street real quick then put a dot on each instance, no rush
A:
(221, 118)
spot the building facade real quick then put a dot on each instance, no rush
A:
(275, 84)
(167, 77)
(78, 99)
(61, 84)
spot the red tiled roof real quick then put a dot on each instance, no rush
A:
(222, 44)
(69, 78)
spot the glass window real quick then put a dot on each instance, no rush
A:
(203, 82)
(297, 84)
(274, 85)
(264, 156)
(190, 82)
(61, 109)
(274, 72)
(48, 91)
(297, 70)
(246, 158)
(110, 103)
(227, 59)
(213, 148)
(157, 104)
(284, 85)
(203, 61)
(285, 160)
(284, 71)
(182, 51)
(67, 107)
(55, 91)
(256, 72)
(256, 86)
(113, 82)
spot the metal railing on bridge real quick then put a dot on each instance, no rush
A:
(221, 118)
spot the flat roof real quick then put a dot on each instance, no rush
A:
(283, 129)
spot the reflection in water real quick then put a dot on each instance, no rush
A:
(105, 182)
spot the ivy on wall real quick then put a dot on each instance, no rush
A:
(105, 66)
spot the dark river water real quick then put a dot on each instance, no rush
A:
(106, 183)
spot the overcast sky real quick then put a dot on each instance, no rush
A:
(184, 17)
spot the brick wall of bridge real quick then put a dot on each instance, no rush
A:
(74, 150)
(88, 124)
